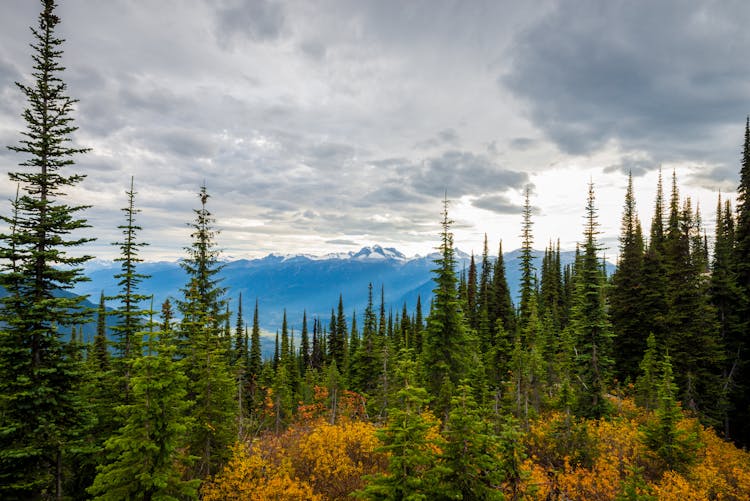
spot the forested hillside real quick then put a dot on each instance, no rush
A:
(585, 386)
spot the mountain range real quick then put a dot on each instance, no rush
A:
(313, 284)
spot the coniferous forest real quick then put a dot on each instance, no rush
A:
(630, 386)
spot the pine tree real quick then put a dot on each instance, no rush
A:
(626, 294)
(590, 323)
(446, 344)
(38, 382)
(210, 382)
(471, 294)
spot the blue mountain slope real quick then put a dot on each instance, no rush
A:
(303, 283)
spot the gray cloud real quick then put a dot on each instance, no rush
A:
(343, 241)
(632, 164)
(253, 20)
(462, 173)
(661, 77)
(446, 137)
(497, 203)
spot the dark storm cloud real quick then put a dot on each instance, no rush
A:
(253, 20)
(461, 173)
(497, 203)
(653, 76)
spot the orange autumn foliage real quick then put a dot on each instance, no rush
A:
(252, 477)
(314, 460)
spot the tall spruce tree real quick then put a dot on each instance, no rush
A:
(626, 294)
(210, 382)
(593, 334)
(740, 398)
(38, 380)
(447, 344)
(131, 318)
(528, 270)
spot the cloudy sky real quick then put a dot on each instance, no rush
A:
(323, 126)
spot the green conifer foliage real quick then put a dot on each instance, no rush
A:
(528, 270)
(503, 309)
(210, 381)
(472, 453)
(590, 323)
(446, 343)
(147, 454)
(128, 311)
(367, 363)
(739, 345)
(674, 447)
(100, 352)
(626, 294)
(412, 469)
(38, 381)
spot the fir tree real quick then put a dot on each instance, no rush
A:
(471, 453)
(130, 315)
(626, 294)
(446, 344)
(528, 271)
(676, 448)
(147, 454)
(100, 352)
(590, 323)
(740, 397)
(211, 385)
(38, 381)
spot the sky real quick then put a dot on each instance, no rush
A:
(324, 126)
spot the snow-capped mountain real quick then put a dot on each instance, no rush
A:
(312, 284)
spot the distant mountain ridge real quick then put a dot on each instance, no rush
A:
(300, 283)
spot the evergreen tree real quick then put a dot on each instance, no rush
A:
(147, 454)
(724, 294)
(691, 326)
(654, 290)
(626, 294)
(130, 316)
(304, 344)
(368, 359)
(38, 382)
(100, 352)
(646, 386)
(676, 448)
(471, 294)
(210, 382)
(528, 270)
(446, 344)
(254, 361)
(472, 453)
(590, 323)
(738, 344)
(412, 469)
